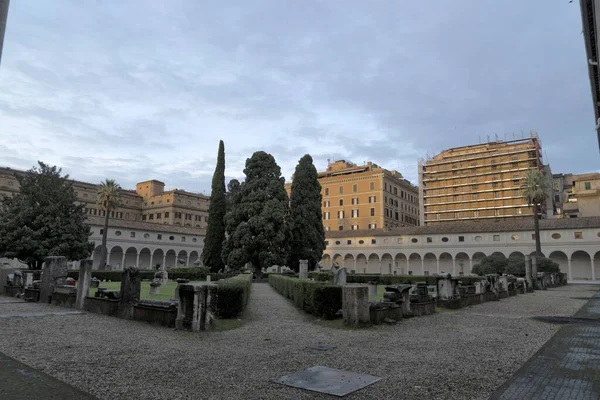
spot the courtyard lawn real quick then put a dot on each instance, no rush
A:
(167, 292)
(379, 295)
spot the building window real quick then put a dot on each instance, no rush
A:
(515, 179)
(118, 233)
(372, 185)
(474, 196)
(102, 231)
(519, 211)
(144, 217)
(171, 237)
(177, 215)
(399, 240)
(326, 191)
(455, 189)
(496, 238)
(183, 238)
(327, 203)
(355, 200)
(198, 218)
(372, 212)
(349, 241)
(150, 216)
(496, 195)
(372, 226)
(429, 239)
(341, 214)
(326, 215)
(327, 229)
(588, 185)
(372, 199)
(194, 240)
(373, 241)
(354, 227)
(158, 215)
(496, 213)
(188, 217)
(578, 235)
(146, 235)
(515, 237)
(456, 214)
(437, 216)
(516, 193)
(166, 214)
(355, 188)
(341, 202)
(341, 190)
(131, 234)
(206, 218)
(476, 213)
(461, 238)
(556, 236)
(396, 216)
(445, 239)
(340, 228)
(354, 213)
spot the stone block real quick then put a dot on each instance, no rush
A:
(130, 291)
(339, 277)
(195, 310)
(83, 285)
(3, 276)
(303, 269)
(355, 305)
(53, 274)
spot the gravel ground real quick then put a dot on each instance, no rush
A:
(463, 354)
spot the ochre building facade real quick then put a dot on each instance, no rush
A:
(366, 197)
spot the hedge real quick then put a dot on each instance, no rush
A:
(233, 295)
(404, 279)
(314, 297)
(193, 274)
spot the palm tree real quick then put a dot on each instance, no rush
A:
(109, 198)
(534, 191)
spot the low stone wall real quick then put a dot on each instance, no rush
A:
(99, 305)
(64, 299)
(419, 309)
(378, 315)
(491, 296)
(453, 304)
(33, 294)
(12, 291)
(156, 312)
(503, 294)
(474, 299)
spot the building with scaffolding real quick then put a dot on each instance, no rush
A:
(480, 182)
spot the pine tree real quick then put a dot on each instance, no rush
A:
(215, 232)
(308, 235)
(258, 221)
(43, 219)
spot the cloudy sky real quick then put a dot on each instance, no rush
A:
(137, 90)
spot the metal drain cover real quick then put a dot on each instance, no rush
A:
(568, 320)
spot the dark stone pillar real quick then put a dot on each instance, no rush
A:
(130, 291)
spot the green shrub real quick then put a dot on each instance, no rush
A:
(324, 276)
(193, 273)
(233, 295)
(314, 297)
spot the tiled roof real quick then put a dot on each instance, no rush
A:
(525, 224)
(146, 226)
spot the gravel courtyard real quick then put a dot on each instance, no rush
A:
(463, 354)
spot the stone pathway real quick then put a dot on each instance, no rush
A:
(567, 367)
(20, 382)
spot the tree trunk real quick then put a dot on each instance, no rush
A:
(104, 250)
(536, 225)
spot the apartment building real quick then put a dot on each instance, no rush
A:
(479, 182)
(366, 197)
(148, 203)
(577, 195)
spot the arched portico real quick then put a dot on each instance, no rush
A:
(193, 257)
(445, 263)
(182, 259)
(415, 264)
(581, 265)
(349, 262)
(462, 264)
(115, 259)
(130, 257)
(373, 266)
(387, 264)
(562, 260)
(361, 264)
(401, 264)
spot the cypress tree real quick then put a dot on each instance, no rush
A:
(215, 232)
(308, 235)
(258, 221)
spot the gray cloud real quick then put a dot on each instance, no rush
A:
(142, 90)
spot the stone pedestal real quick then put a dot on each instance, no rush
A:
(28, 279)
(54, 273)
(83, 284)
(195, 311)
(154, 290)
(339, 277)
(355, 305)
(303, 269)
(446, 288)
(372, 289)
(130, 292)
(3, 275)
(528, 274)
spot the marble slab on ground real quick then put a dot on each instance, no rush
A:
(328, 380)
(41, 314)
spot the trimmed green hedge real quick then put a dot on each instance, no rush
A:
(404, 279)
(233, 295)
(193, 274)
(324, 276)
(314, 297)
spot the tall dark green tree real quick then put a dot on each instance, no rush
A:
(306, 223)
(43, 219)
(258, 221)
(233, 190)
(215, 232)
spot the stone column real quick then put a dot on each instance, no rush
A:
(164, 262)
(534, 271)
(528, 274)
(437, 260)
(453, 266)
(187, 261)
(130, 292)
(593, 270)
(137, 260)
(470, 265)
(107, 260)
(123, 261)
(422, 265)
(54, 273)
(83, 283)
(303, 269)
(355, 305)
(570, 276)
